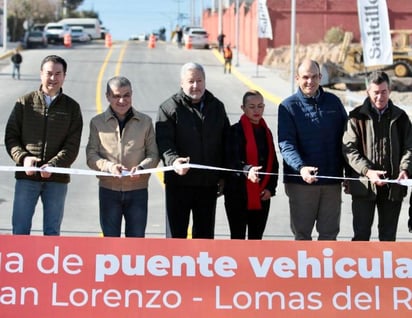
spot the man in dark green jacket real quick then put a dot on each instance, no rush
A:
(43, 130)
(191, 126)
(377, 144)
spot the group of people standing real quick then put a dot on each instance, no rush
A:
(320, 144)
(317, 140)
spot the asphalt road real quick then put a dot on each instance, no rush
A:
(154, 74)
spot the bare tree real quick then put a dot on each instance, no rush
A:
(25, 13)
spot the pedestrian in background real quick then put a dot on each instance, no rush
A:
(227, 55)
(191, 126)
(44, 130)
(377, 144)
(221, 42)
(179, 36)
(16, 60)
(310, 128)
(250, 149)
(122, 141)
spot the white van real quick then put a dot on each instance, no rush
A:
(90, 25)
(55, 32)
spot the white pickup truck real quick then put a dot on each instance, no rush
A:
(55, 32)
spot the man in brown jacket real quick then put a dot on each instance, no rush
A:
(43, 130)
(121, 142)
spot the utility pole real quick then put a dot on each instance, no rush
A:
(292, 45)
(179, 15)
(201, 13)
(4, 25)
(220, 18)
(193, 12)
(64, 9)
(237, 32)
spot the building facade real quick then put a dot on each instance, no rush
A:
(313, 19)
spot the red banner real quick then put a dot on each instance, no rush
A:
(170, 278)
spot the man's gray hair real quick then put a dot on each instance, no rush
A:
(117, 81)
(378, 77)
(191, 66)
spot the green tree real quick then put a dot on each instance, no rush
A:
(72, 5)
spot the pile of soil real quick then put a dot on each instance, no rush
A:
(279, 59)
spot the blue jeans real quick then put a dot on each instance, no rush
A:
(16, 70)
(116, 204)
(26, 196)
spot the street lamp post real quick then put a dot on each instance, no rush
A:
(179, 15)
(201, 13)
(192, 12)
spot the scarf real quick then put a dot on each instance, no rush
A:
(255, 189)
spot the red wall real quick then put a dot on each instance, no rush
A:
(313, 19)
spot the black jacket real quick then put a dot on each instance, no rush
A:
(182, 131)
(235, 183)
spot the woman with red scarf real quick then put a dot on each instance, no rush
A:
(250, 151)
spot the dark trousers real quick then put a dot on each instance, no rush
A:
(228, 65)
(201, 201)
(241, 219)
(363, 210)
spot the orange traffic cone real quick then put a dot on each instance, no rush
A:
(67, 40)
(189, 44)
(108, 40)
(152, 42)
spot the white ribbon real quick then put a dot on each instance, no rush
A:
(125, 173)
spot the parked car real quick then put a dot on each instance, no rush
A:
(55, 32)
(198, 36)
(186, 28)
(38, 27)
(139, 37)
(79, 35)
(34, 38)
(91, 26)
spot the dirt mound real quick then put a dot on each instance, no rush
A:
(279, 59)
(320, 52)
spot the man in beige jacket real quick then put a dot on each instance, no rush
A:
(122, 141)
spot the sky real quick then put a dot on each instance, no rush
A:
(125, 18)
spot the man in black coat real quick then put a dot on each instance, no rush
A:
(191, 126)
